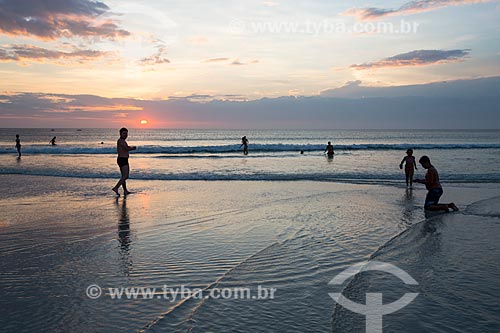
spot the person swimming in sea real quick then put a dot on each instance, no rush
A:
(53, 141)
(18, 146)
(123, 150)
(244, 143)
(410, 165)
(435, 190)
(329, 150)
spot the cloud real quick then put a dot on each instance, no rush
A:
(156, 59)
(71, 105)
(237, 62)
(417, 58)
(452, 104)
(412, 7)
(30, 53)
(216, 60)
(52, 19)
(478, 88)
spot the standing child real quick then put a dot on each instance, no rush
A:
(123, 154)
(18, 145)
(410, 166)
(433, 185)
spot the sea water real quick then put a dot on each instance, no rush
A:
(361, 156)
(275, 218)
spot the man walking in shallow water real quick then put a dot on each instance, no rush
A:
(123, 154)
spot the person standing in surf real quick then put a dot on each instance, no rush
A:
(244, 143)
(434, 187)
(329, 150)
(53, 141)
(18, 146)
(410, 166)
(123, 150)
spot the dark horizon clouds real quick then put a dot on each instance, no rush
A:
(53, 19)
(412, 7)
(417, 58)
(463, 104)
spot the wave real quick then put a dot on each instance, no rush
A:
(225, 149)
(352, 178)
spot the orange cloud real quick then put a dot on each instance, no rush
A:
(99, 108)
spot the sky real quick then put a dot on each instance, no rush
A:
(129, 55)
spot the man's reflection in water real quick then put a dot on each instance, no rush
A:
(408, 205)
(124, 235)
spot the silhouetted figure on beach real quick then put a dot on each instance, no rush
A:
(410, 166)
(123, 154)
(244, 143)
(18, 145)
(434, 187)
(329, 150)
(53, 141)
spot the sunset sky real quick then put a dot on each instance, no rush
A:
(232, 50)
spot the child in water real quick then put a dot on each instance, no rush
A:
(410, 166)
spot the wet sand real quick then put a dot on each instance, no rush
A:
(60, 235)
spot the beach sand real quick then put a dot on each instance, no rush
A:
(60, 235)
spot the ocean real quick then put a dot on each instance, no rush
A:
(206, 217)
(362, 156)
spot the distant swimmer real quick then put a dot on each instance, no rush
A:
(53, 141)
(18, 145)
(329, 150)
(244, 143)
(123, 154)
(410, 166)
(434, 187)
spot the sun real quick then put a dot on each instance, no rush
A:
(144, 122)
